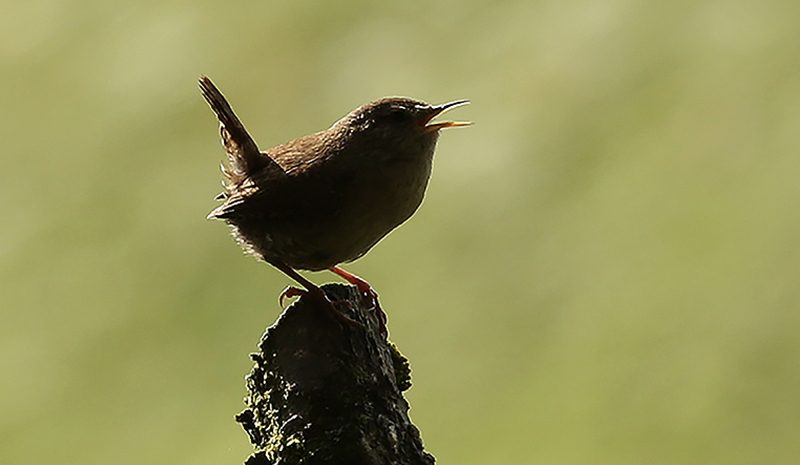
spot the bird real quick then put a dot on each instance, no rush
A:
(326, 198)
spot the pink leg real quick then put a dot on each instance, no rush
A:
(366, 291)
(363, 286)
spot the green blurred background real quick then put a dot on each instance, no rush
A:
(605, 270)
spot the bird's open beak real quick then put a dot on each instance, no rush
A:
(438, 110)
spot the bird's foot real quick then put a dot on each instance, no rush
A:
(367, 293)
(322, 300)
(313, 291)
(291, 292)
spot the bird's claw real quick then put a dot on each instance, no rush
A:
(367, 294)
(375, 307)
(291, 292)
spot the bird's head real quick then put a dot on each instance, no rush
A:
(398, 124)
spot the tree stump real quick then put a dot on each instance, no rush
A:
(324, 391)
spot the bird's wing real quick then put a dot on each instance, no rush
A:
(239, 199)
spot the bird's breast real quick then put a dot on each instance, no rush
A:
(344, 212)
(370, 204)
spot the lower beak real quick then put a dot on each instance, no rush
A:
(438, 110)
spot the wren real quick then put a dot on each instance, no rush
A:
(326, 198)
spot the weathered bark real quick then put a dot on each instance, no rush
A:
(323, 391)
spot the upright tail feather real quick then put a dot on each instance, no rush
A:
(244, 158)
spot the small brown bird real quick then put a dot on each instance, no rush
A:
(327, 198)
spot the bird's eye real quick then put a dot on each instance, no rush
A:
(398, 115)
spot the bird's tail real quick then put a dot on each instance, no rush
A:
(244, 158)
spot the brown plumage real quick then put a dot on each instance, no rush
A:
(326, 198)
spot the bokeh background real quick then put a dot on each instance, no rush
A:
(605, 269)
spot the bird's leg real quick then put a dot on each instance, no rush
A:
(292, 291)
(362, 286)
(311, 289)
(366, 291)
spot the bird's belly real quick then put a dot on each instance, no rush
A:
(367, 211)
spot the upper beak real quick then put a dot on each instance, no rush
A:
(438, 110)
